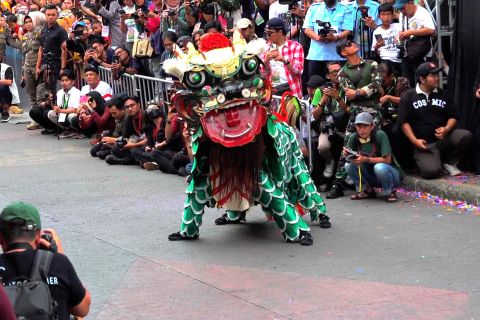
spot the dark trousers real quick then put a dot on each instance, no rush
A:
(141, 156)
(89, 132)
(40, 116)
(317, 68)
(408, 69)
(451, 149)
(5, 98)
(396, 67)
(400, 146)
(99, 147)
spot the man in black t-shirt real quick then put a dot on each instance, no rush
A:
(428, 119)
(20, 237)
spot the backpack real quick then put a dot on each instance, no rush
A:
(32, 300)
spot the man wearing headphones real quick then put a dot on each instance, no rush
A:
(284, 60)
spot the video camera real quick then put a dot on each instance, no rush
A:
(326, 28)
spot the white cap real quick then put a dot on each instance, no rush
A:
(244, 23)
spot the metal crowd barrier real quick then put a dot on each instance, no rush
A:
(148, 89)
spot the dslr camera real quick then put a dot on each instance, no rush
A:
(121, 142)
(351, 155)
(363, 11)
(325, 28)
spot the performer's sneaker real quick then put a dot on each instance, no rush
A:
(324, 221)
(178, 236)
(306, 238)
(224, 220)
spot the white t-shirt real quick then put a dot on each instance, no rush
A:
(69, 100)
(277, 10)
(103, 88)
(390, 36)
(421, 19)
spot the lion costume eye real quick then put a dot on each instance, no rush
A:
(249, 66)
(195, 79)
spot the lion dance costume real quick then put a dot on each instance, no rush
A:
(243, 154)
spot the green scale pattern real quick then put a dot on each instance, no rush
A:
(283, 181)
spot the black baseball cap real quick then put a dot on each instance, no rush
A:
(275, 23)
(92, 68)
(315, 81)
(427, 68)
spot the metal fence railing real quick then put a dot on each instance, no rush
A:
(148, 89)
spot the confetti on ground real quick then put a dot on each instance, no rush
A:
(460, 205)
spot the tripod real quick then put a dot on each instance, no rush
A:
(365, 34)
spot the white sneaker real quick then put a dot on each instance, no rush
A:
(452, 169)
(329, 168)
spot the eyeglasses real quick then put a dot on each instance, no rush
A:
(131, 106)
(269, 33)
(90, 101)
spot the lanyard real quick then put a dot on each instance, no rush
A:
(65, 101)
(139, 126)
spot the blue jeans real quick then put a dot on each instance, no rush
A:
(375, 175)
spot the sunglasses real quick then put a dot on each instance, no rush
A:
(91, 100)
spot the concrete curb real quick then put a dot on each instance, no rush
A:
(443, 188)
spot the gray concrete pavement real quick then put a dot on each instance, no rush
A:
(409, 260)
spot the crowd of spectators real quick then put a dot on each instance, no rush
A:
(344, 57)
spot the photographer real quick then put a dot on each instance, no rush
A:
(133, 135)
(289, 13)
(417, 29)
(75, 47)
(96, 55)
(117, 36)
(104, 147)
(331, 114)
(155, 133)
(52, 38)
(370, 162)
(325, 23)
(68, 100)
(174, 20)
(124, 63)
(93, 116)
(366, 19)
(21, 237)
(284, 59)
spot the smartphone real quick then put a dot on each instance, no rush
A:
(379, 37)
(23, 83)
(229, 23)
(121, 11)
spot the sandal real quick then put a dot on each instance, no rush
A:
(178, 236)
(392, 197)
(363, 195)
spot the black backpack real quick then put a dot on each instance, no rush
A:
(32, 300)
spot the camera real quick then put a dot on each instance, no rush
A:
(351, 155)
(116, 59)
(48, 238)
(328, 85)
(121, 142)
(172, 13)
(364, 11)
(121, 11)
(77, 34)
(326, 28)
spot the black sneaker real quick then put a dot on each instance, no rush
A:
(306, 238)
(103, 154)
(324, 221)
(177, 236)
(47, 131)
(5, 117)
(335, 192)
(224, 219)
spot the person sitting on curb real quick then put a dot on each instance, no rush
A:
(370, 162)
(428, 119)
